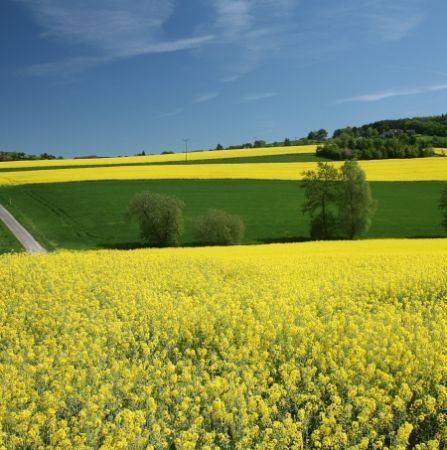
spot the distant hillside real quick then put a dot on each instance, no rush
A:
(428, 126)
(396, 138)
(399, 138)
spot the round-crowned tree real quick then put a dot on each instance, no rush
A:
(356, 205)
(160, 218)
(218, 227)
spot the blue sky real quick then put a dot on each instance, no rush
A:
(111, 77)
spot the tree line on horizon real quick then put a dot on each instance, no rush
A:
(400, 138)
(21, 156)
(369, 144)
(397, 138)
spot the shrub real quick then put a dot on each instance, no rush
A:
(159, 216)
(218, 227)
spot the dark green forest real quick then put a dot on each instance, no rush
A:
(400, 138)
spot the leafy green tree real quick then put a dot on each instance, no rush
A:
(443, 207)
(320, 135)
(322, 193)
(219, 147)
(259, 143)
(218, 227)
(160, 218)
(355, 204)
(46, 156)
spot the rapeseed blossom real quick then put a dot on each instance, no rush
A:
(192, 156)
(418, 169)
(318, 345)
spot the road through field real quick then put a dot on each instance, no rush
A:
(22, 235)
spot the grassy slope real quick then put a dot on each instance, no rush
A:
(299, 157)
(8, 243)
(90, 214)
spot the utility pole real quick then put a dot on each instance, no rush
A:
(186, 147)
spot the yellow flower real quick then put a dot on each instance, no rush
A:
(317, 345)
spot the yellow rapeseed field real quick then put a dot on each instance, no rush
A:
(378, 170)
(192, 156)
(330, 345)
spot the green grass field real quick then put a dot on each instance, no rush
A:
(299, 157)
(90, 214)
(8, 243)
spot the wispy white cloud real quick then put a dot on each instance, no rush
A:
(374, 97)
(238, 36)
(206, 97)
(256, 97)
(234, 17)
(240, 18)
(397, 26)
(261, 29)
(107, 30)
(171, 113)
(380, 95)
(66, 67)
(231, 78)
(384, 19)
(76, 65)
(253, 29)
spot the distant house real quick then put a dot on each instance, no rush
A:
(397, 132)
(391, 133)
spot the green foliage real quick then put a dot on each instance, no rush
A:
(348, 144)
(89, 215)
(8, 242)
(218, 227)
(237, 146)
(339, 202)
(320, 135)
(401, 138)
(429, 126)
(259, 143)
(356, 205)
(322, 192)
(324, 226)
(159, 216)
(443, 207)
(21, 156)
